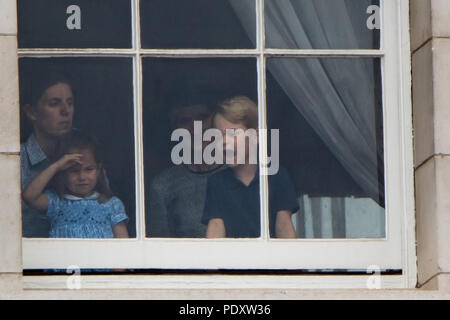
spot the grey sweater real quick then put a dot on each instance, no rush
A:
(177, 198)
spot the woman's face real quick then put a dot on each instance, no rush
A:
(54, 111)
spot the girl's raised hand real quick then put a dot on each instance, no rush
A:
(34, 193)
(68, 161)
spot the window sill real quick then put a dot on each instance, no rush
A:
(14, 286)
(229, 282)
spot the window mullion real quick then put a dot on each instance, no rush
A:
(138, 125)
(262, 124)
(321, 53)
(90, 52)
(138, 141)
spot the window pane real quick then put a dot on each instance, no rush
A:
(101, 94)
(178, 92)
(74, 24)
(173, 24)
(322, 24)
(329, 113)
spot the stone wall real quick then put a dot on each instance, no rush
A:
(430, 46)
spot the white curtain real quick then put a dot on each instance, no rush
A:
(335, 96)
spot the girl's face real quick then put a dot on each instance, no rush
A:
(53, 113)
(81, 179)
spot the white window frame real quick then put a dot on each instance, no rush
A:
(395, 251)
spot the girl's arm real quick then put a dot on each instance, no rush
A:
(120, 230)
(33, 194)
(283, 225)
(216, 229)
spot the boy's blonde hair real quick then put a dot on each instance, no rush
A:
(240, 109)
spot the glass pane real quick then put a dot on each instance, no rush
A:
(322, 24)
(182, 194)
(67, 103)
(173, 24)
(330, 121)
(74, 24)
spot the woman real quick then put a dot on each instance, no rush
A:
(49, 105)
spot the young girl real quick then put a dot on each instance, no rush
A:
(82, 205)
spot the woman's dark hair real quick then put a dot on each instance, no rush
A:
(77, 141)
(33, 86)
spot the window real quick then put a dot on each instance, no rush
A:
(329, 75)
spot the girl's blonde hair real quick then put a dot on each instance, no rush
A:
(240, 109)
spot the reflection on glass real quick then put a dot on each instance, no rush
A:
(74, 24)
(173, 24)
(322, 24)
(81, 106)
(329, 113)
(177, 93)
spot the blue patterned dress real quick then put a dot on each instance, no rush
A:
(73, 217)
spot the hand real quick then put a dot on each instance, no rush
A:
(68, 161)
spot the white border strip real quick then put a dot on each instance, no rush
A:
(281, 282)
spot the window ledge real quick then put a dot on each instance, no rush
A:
(14, 286)
(31, 290)
(204, 282)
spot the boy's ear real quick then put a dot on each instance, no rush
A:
(29, 111)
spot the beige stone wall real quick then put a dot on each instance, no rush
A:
(10, 227)
(430, 45)
(430, 32)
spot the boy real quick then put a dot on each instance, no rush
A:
(232, 206)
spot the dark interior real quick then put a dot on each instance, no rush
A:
(103, 91)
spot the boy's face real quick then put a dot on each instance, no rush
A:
(231, 141)
(81, 179)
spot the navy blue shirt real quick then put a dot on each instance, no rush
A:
(238, 205)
